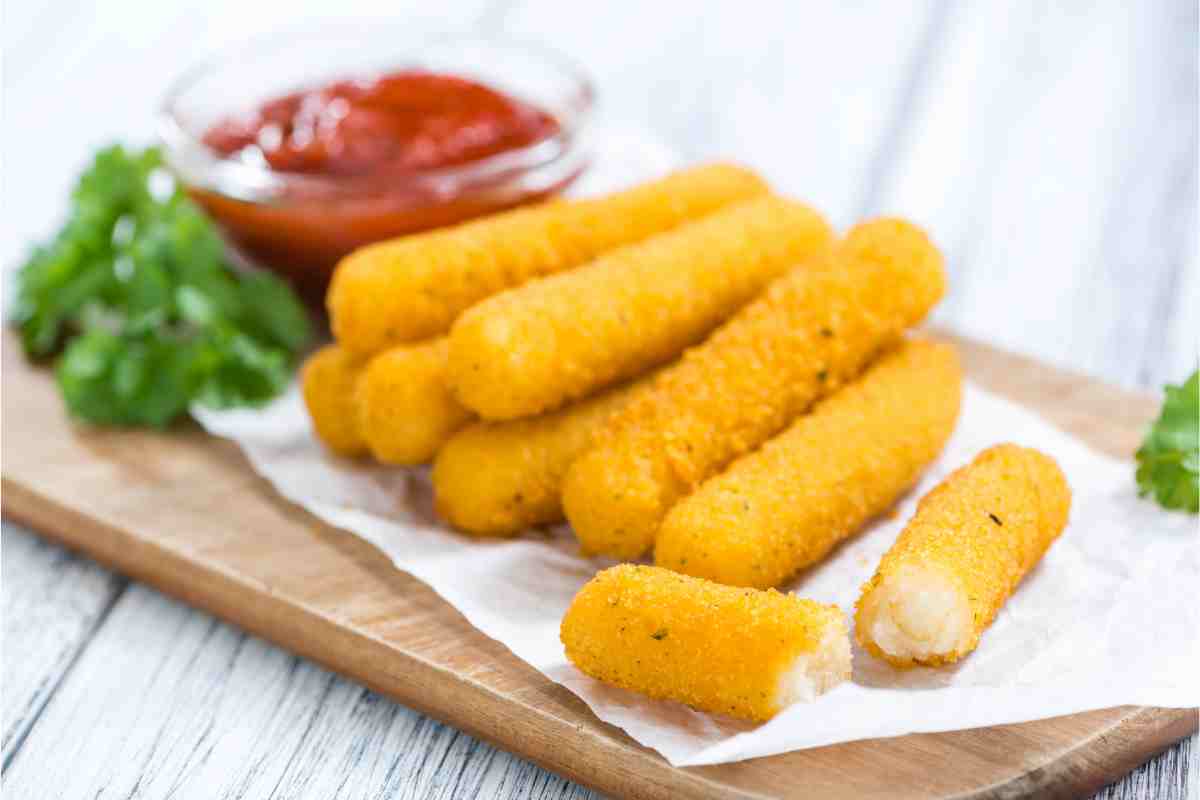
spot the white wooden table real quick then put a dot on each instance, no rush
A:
(1051, 148)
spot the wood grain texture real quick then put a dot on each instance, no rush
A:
(351, 742)
(52, 601)
(1173, 775)
(175, 703)
(1053, 148)
(810, 97)
(145, 504)
(1006, 119)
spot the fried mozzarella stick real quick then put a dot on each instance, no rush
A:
(784, 507)
(553, 340)
(412, 288)
(813, 330)
(500, 478)
(961, 555)
(742, 652)
(404, 405)
(327, 383)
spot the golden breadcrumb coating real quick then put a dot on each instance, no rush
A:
(553, 340)
(500, 478)
(327, 381)
(977, 534)
(813, 330)
(783, 507)
(404, 405)
(713, 647)
(413, 288)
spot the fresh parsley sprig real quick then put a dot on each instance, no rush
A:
(136, 293)
(1169, 458)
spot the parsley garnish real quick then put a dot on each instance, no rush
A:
(1169, 458)
(136, 292)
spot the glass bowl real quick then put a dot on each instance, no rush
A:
(300, 225)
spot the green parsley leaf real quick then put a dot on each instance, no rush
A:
(136, 293)
(116, 379)
(271, 314)
(240, 371)
(1169, 458)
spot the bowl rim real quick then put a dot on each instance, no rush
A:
(205, 168)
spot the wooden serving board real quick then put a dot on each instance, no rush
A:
(186, 513)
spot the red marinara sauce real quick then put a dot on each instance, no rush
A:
(366, 160)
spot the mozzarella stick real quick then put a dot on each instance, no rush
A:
(500, 478)
(412, 288)
(784, 507)
(404, 407)
(961, 555)
(327, 383)
(560, 338)
(742, 652)
(812, 331)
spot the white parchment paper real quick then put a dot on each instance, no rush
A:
(1108, 618)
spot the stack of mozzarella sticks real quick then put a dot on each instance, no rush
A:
(702, 371)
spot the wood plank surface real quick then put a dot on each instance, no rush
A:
(176, 703)
(1010, 117)
(811, 97)
(186, 514)
(1053, 148)
(52, 602)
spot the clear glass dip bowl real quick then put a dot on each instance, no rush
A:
(300, 225)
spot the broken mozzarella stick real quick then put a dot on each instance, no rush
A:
(785, 506)
(742, 652)
(404, 407)
(412, 288)
(554, 340)
(971, 541)
(812, 331)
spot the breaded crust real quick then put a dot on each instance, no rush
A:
(742, 652)
(812, 331)
(534, 348)
(784, 506)
(404, 406)
(327, 382)
(971, 541)
(413, 288)
(499, 478)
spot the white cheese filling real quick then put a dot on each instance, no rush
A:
(917, 613)
(815, 672)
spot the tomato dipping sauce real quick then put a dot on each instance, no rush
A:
(395, 123)
(371, 159)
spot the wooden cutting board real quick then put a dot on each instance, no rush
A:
(185, 513)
